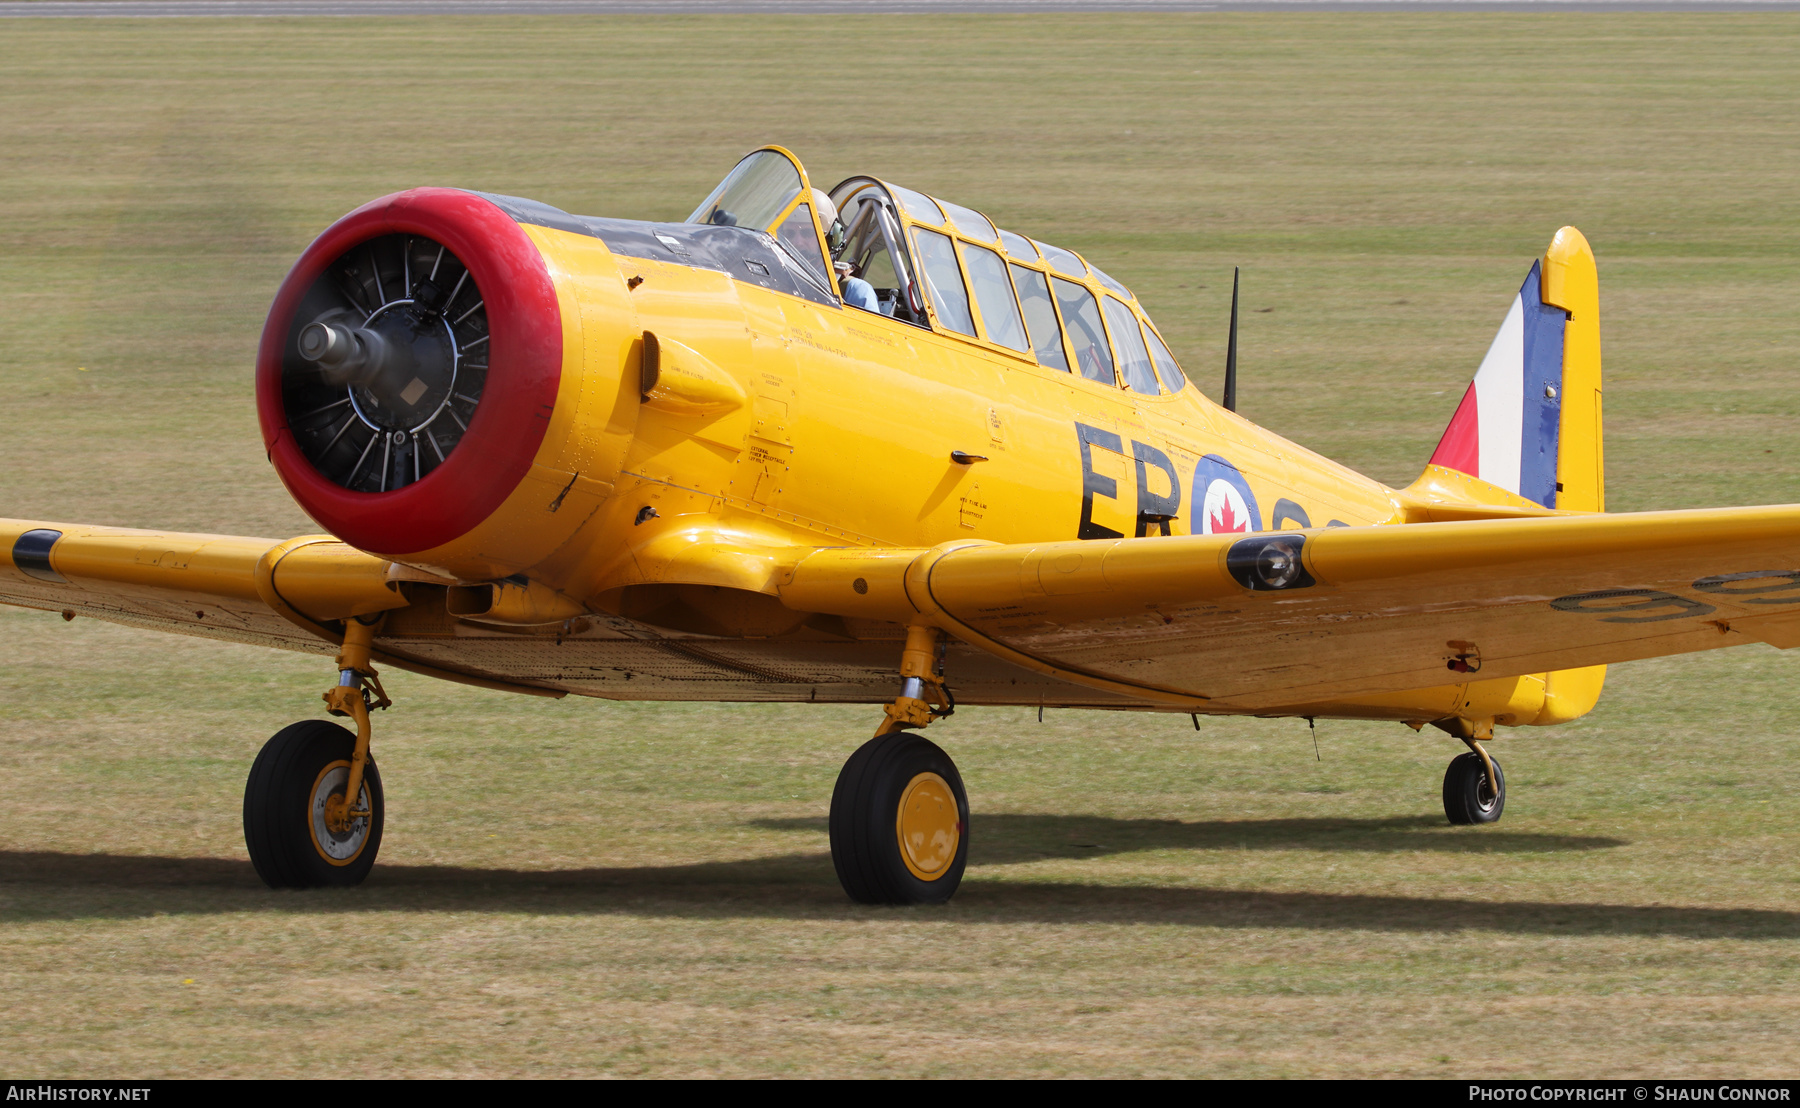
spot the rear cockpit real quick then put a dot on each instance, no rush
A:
(949, 269)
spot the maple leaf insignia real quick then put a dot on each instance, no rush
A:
(1225, 521)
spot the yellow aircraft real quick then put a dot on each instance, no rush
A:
(866, 447)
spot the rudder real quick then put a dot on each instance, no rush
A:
(1572, 284)
(1530, 421)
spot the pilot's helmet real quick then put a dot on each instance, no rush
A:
(828, 219)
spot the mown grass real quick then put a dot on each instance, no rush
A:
(582, 888)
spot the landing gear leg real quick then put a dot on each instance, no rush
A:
(1474, 783)
(899, 814)
(923, 695)
(313, 806)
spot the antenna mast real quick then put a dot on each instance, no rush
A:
(1231, 349)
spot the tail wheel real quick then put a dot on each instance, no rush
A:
(899, 822)
(291, 843)
(1468, 797)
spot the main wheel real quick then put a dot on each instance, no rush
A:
(899, 822)
(1468, 798)
(301, 768)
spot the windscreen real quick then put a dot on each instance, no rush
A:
(753, 194)
(801, 241)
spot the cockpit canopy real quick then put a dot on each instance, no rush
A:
(768, 192)
(948, 268)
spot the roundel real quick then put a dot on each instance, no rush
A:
(1223, 503)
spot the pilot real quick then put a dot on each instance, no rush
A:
(856, 291)
(828, 219)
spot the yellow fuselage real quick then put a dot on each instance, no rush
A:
(806, 425)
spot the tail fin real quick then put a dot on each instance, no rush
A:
(1530, 421)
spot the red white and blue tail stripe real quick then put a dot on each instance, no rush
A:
(1506, 429)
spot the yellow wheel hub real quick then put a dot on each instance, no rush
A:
(339, 833)
(928, 825)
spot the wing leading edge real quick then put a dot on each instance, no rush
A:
(287, 594)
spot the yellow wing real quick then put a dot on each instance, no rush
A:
(287, 594)
(1277, 621)
(517, 636)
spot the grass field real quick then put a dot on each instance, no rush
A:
(578, 888)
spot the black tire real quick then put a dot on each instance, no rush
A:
(866, 822)
(1467, 797)
(279, 798)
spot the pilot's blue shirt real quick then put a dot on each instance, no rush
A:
(860, 293)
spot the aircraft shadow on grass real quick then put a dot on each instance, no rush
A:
(801, 885)
(1008, 839)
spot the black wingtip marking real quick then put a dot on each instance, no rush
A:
(31, 554)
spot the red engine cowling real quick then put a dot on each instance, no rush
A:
(408, 369)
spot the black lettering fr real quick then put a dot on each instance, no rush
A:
(1096, 484)
(1153, 510)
